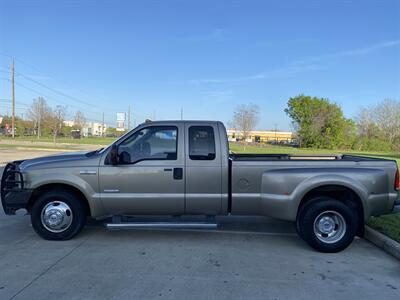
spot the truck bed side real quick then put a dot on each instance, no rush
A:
(276, 186)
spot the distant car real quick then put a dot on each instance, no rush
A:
(184, 168)
(76, 134)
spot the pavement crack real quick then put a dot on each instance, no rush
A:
(51, 266)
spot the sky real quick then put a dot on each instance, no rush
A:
(202, 57)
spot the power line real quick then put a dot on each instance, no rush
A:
(51, 98)
(56, 91)
(13, 102)
(8, 102)
(52, 77)
(67, 83)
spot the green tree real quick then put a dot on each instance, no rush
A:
(320, 123)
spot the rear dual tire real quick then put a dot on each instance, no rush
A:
(326, 224)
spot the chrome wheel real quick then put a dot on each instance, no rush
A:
(330, 227)
(56, 216)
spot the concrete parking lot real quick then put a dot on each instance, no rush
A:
(248, 258)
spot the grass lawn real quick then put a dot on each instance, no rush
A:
(15, 146)
(235, 147)
(240, 148)
(61, 140)
(387, 224)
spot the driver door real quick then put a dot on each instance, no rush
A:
(149, 176)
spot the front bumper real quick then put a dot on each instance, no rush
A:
(12, 192)
(15, 200)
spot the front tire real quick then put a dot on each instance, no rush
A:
(58, 215)
(326, 224)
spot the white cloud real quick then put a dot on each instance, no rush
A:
(351, 52)
(276, 73)
(306, 65)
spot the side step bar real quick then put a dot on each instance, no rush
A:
(158, 225)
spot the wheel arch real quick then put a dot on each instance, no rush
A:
(339, 192)
(40, 190)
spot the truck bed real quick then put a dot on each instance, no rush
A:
(274, 184)
(272, 157)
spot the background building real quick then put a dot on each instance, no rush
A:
(262, 136)
(94, 129)
(90, 128)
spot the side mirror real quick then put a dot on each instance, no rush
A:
(114, 155)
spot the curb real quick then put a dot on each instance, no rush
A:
(382, 241)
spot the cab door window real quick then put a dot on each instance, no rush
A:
(150, 143)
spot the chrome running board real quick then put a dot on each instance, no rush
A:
(160, 225)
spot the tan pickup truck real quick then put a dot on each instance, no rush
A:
(178, 168)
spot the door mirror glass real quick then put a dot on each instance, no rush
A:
(114, 155)
(124, 158)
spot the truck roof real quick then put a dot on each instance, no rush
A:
(180, 121)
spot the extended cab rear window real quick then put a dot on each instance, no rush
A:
(201, 143)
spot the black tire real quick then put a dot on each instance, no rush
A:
(74, 204)
(325, 206)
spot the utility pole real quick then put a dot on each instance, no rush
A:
(275, 133)
(129, 117)
(181, 113)
(102, 126)
(39, 120)
(13, 103)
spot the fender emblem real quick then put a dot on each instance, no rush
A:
(111, 191)
(87, 172)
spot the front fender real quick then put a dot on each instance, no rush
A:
(85, 186)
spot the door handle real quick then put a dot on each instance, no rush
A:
(178, 173)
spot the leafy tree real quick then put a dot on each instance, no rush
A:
(24, 127)
(320, 123)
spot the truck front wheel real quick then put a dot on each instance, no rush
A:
(326, 224)
(58, 215)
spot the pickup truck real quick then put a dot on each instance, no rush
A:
(181, 168)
